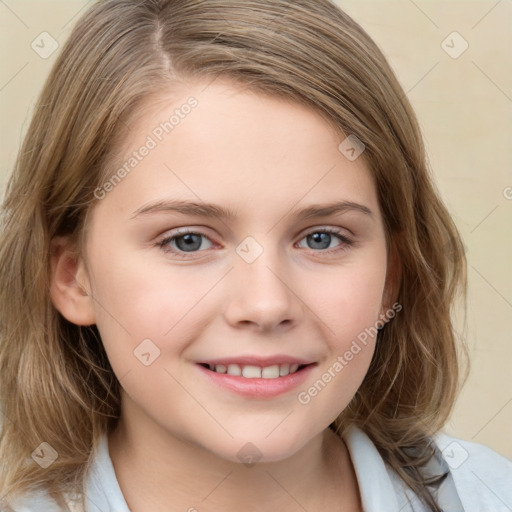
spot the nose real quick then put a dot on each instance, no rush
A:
(261, 295)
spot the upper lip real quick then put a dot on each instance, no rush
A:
(257, 361)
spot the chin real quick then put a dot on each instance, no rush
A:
(254, 448)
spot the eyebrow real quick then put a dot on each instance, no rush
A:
(217, 211)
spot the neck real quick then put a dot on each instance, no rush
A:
(178, 472)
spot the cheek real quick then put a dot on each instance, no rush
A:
(349, 303)
(135, 301)
(348, 300)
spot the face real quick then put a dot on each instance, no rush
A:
(216, 253)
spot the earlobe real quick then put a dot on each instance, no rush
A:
(69, 285)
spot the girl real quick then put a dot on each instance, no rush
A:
(224, 275)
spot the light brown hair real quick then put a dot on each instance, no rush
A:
(56, 383)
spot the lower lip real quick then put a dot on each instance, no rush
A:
(258, 388)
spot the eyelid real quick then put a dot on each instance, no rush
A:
(327, 229)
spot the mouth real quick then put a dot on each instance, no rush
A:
(256, 379)
(248, 371)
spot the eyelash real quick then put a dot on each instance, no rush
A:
(345, 242)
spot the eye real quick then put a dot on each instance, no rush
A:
(321, 239)
(185, 242)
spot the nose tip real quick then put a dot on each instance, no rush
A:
(260, 295)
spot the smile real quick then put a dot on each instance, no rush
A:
(256, 372)
(256, 379)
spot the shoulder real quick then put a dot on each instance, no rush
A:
(101, 489)
(482, 476)
(34, 501)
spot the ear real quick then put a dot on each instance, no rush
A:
(393, 279)
(69, 285)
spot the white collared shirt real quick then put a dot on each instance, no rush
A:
(483, 480)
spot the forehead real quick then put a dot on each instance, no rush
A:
(223, 143)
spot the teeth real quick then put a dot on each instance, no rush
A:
(234, 369)
(256, 372)
(251, 372)
(270, 372)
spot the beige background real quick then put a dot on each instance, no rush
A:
(464, 106)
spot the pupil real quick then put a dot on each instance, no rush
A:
(190, 243)
(321, 238)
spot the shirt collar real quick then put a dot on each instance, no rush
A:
(375, 485)
(103, 493)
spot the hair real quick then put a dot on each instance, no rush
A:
(56, 382)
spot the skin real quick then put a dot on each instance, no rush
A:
(178, 436)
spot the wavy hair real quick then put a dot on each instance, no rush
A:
(56, 382)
